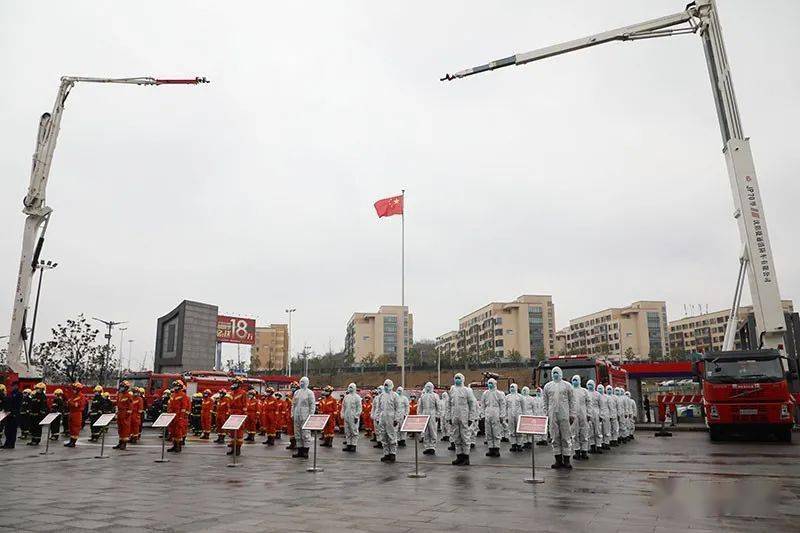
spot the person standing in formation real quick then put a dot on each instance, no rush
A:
(429, 404)
(75, 407)
(328, 406)
(303, 405)
(181, 405)
(205, 415)
(351, 414)
(124, 409)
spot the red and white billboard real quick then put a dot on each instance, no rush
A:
(236, 330)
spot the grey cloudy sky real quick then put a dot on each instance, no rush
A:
(596, 177)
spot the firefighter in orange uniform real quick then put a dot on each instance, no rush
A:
(124, 408)
(180, 404)
(205, 414)
(328, 406)
(412, 405)
(269, 416)
(137, 409)
(287, 416)
(238, 407)
(339, 421)
(75, 404)
(253, 411)
(223, 412)
(366, 418)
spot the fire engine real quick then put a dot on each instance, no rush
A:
(602, 371)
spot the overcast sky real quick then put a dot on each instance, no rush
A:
(596, 177)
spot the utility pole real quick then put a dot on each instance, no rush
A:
(121, 338)
(42, 266)
(289, 343)
(110, 325)
(130, 353)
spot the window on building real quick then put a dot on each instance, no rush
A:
(654, 333)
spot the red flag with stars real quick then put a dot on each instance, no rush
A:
(389, 206)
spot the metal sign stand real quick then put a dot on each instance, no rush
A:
(234, 444)
(102, 444)
(314, 467)
(163, 445)
(416, 473)
(47, 444)
(533, 478)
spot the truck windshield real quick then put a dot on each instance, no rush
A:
(585, 372)
(736, 370)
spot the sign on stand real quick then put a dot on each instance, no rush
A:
(163, 421)
(46, 421)
(532, 425)
(415, 424)
(315, 424)
(3, 415)
(103, 422)
(234, 423)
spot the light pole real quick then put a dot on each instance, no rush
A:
(306, 348)
(130, 353)
(110, 325)
(42, 266)
(121, 337)
(289, 342)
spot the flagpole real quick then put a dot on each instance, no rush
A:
(403, 289)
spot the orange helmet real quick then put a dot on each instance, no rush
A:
(124, 385)
(40, 386)
(58, 392)
(77, 385)
(223, 392)
(98, 388)
(206, 392)
(328, 389)
(269, 390)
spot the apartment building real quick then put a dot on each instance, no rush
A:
(706, 332)
(374, 335)
(525, 326)
(561, 341)
(271, 349)
(637, 331)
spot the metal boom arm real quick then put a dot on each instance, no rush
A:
(38, 213)
(702, 18)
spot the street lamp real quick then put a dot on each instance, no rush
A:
(289, 342)
(130, 353)
(121, 337)
(110, 325)
(42, 265)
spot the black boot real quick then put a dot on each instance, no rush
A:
(220, 439)
(490, 453)
(379, 444)
(446, 438)
(459, 460)
(402, 443)
(566, 466)
(465, 462)
(527, 446)
(559, 462)
(452, 446)
(391, 458)
(584, 455)
(504, 439)
(174, 447)
(605, 446)
(577, 455)
(292, 444)
(541, 443)
(429, 451)
(71, 443)
(593, 449)
(270, 441)
(385, 458)
(298, 453)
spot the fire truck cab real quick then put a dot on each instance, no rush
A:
(602, 371)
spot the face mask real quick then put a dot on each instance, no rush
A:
(458, 381)
(576, 383)
(303, 385)
(387, 388)
(556, 376)
(590, 386)
(491, 386)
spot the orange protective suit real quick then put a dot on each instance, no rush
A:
(180, 404)
(124, 409)
(253, 411)
(238, 407)
(205, 414)
(223, 412)
(412, 407)
(366, 416)
(269, 415)
(328, 406)
(137, 410)
(76, 405)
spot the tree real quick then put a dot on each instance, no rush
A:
(384, 359)
(232, 366)
(628, 353)
(514, 356)
(603, 349)
(369, 360)
(101, 360)
(67, 356)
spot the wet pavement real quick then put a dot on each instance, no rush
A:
(652, 484)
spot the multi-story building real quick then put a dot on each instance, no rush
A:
(525, 326)
(375, 335)
(637, 331)
(706, 332)
(561, 341)
(447, 344)
(271, 350)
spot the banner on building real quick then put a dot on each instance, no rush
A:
(236, 330)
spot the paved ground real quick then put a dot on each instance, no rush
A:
(677, 484)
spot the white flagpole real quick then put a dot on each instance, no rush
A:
(403, 290)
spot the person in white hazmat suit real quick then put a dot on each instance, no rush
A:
(595, 426)
(303, 405)
(538, 410)
(613, 416)
(351, 415)
(513, 411)
(404, 410)
(388, 409)
(622, 413)
(559, 404)
(580, 428)
(527, 409)
(633, 411)
(463, 412)
(605, 416)
(376, 423)
(429, 404)
(444, 403)
(493, 402)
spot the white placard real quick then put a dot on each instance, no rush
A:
(164, 419)
(49, 419)
(415, 423)
(3, 414)
(316, 422)
(104, 420)
(234, 422)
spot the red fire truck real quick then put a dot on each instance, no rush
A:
(746, 391)
(602, 371)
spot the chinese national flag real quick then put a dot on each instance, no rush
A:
(389, 206)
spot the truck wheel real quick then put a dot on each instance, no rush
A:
(714, 433)
(785, 434)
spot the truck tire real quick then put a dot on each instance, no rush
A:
(784, 434)
(714, 433)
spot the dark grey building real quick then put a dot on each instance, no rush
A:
(186, 338)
